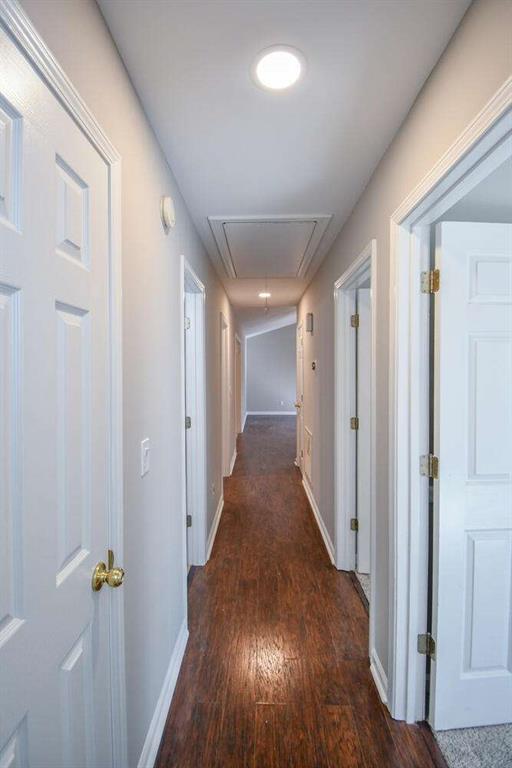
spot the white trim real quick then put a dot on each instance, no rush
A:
(156, 727)
(244, 420)
(379, 676)
(456, 173)
(215, 525)
(197, 473)
(318, 517)
(364, 266)
(218, 223)
(271, 413)
(232, 463)
(225, 392)
(21, 30)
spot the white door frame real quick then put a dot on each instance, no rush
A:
(299, 461)
(479, 149)
(21, 30)
(196, 470)
(239, 377)
(225, 396)
(364, 267)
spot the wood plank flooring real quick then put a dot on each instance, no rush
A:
(276, 671)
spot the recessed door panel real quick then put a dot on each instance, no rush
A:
(472, 671)
(54, 430)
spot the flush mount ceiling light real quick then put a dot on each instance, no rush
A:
(264, 295)
(278, 67)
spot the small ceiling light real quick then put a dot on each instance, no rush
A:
(278, 67)
(264, 295)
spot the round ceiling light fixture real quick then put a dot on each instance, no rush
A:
(278, 67)
(264, 295)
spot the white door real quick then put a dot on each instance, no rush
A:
(299, 405)
(472, 671)
(225, 396)
(190, 410)
(363, 367)
(238, 386)
(55, 706)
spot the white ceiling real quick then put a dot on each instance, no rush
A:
(241, 151)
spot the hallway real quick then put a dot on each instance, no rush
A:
(276, 671)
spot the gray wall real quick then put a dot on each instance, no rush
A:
(475, 64)
(76, 33)
(270, 371)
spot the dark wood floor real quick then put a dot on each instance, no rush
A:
(276, 670)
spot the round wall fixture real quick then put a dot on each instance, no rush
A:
(278, 67)
(167, 213)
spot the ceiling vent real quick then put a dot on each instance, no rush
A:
(268, 246)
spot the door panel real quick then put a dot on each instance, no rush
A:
(54, 430)
(472, 672)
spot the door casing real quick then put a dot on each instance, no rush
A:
(483, 145)
(364, 267)
(21, 30)
(196, 469)
(225, 392)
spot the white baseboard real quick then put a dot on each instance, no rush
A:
(379, 676)
(157, 724)
(215, 525)
(271, 413)
(232, 464)
(321, 525)
(244, 420)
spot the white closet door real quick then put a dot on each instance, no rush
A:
(54, 428)
(472, 671)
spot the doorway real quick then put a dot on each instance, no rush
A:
(194, 385)
(355, 428)
(238, 385)
(299, 403)
(225, 389)
(451, 479)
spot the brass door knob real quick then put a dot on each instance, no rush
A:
(113, 576)
(298, 405)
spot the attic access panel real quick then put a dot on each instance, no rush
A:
(255, 247)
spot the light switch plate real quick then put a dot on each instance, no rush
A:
(145, 451)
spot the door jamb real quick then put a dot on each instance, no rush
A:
(21, 30)
(479, 149)
(199, 469)
(364, 266)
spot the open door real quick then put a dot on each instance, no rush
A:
(299, 404)
(363, 434)
(471, 674)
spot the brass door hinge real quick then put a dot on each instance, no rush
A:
(429, 466)
(189, 521)
(354, 320)
(354, 422)
(354, 524)
(427, 645)
(188, 422)
(430, 281)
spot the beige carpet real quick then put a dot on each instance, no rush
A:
(488, 747)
